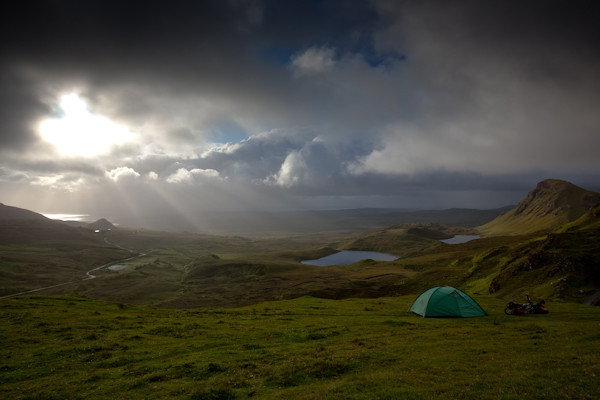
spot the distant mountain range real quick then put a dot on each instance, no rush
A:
(278, 223)
(261, 223)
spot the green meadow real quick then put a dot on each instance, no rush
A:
(73, 347)
(226, 317)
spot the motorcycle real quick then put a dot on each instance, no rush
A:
(530, 307)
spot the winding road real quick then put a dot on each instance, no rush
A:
(89, 273)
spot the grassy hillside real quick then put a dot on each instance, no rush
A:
(36, 253)
(307, 348)
(15, 213)
(561, 264)
(588, 221)
(402, 240)
(565, 262)
(552, 204)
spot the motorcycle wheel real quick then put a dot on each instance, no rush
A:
(509, 311)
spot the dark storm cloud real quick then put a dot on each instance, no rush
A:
(142, 49)
(19, 109)
(316, 98)
(174, 43)
(495, 86)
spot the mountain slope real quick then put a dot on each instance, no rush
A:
(15, 213)
(589, 221)
(20, 226)
(565, 263)
(550, 205)
(38, 252)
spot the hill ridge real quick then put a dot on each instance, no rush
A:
(102, 224)
(551, 204)
(15, 213)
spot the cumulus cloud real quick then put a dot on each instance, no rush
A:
(291, 170)
(183, 175)
(255, 158)
(59, 182)
(317, 165)
(121, 173)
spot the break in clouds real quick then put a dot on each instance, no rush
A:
(279, 105)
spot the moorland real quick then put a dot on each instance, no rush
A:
(308, 348)
(216, 316)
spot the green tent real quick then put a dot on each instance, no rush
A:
(446, 301)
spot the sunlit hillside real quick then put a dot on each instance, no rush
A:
(550, 205)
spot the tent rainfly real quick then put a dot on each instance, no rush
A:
(446, 301)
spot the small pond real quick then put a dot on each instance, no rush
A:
(118, 267)
(349, 257)
(460, 239)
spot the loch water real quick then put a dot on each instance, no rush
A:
(457, 239)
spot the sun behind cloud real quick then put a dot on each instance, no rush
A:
(81, 133)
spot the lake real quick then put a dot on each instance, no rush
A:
(460, 239)
(349, 257)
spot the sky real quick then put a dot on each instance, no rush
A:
(144, 107)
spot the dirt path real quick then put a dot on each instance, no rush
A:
(89, 273)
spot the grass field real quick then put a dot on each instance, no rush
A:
(24, 267)
(307, 348)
